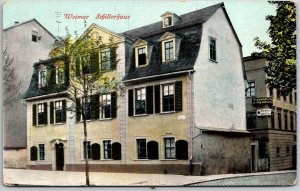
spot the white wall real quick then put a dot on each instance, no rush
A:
(219, 86)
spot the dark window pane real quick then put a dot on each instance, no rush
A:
(141, 148)
(169, 148)
(107, 149)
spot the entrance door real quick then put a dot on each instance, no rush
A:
(59, 156)
(294, 155)
(253, 158)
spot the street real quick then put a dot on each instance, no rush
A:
(22, 177)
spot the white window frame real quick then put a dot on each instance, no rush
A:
(56, 109)
(170, 24)
(42, 81)
(106, 140)
(109, 58)
(82, 151)
(137, 148)
(103, 99)
(164, 147)
(141, 97)
(137, 56)
(249, 89)
(58, 70)
(163, 93)
(39, 152)
(215, 41)
(40, 110)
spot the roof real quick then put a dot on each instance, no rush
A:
(255, 56)
(189, 19)
(52, 88)
(188, 31)
(13, 26)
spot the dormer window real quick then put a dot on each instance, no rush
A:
(141, 56)
(141, 53)
(42, 77)
(168, 21)
(168, 45)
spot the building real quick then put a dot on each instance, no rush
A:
(182, 109)
(26, 43)
(271, 118)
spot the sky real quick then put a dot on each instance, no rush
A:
(247, 17)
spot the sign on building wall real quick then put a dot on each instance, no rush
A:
(262, 100)
(263, 112)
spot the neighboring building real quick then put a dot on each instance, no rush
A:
(271, 118)
(26, 43)
(182, 111)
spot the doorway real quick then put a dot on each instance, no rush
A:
(59, 148)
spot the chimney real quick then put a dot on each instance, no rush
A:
(16, 22)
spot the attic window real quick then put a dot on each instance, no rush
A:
(142, 56)
(42, 77)
(168, 21)
(34, 36)
(141, 53)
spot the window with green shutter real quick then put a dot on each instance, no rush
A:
(130, 102)
(34, 114)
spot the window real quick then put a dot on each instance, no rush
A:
(86, 64)
(142, 56)
(287, 150)
(278, 94)
(250, 89)
(169, 51)
(292, 121)
(33, 153)
(42, 77)
(140, 101)
(34, 36)
(42, 151)
(59, 112)
(272, 120)
(251, 120)
(168, 97)
(87, 150)
(285, 120)
(212, 49)
(141, 148)
(41, 114)
(105, 60)
(279, 119)
(271, 92)
(169, 148)
(277, 151)
(168, 21)
(291, 97)
(60, 77)
(107, 149)
(106, 106)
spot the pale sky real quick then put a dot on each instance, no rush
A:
(247, 17)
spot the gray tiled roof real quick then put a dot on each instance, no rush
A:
(188, 30)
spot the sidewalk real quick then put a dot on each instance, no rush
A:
(22, 177)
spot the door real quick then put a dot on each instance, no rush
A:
(59, 156)
(253, 158)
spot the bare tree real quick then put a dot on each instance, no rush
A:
(11, 86)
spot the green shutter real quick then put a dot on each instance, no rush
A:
(34, 114)
(77, 66)
(114, 104)
(149, 99)
(94, 60)
(64, 107)
(95, 107)
(78, 113)
(157, 98)
(178, 96)
(130, 103)
(113, 58)
(51, 112)
(45, 113)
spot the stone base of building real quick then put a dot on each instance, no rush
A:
(39, 167)
(182, 169)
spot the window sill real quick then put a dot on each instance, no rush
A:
(214, 61)
(167, 112)
(42, 125)
(140, 115)
(105, 119)
(168, 159)
(167, 61)
(41, 161)
(58, 124)
(140, 159)
(141, 66)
